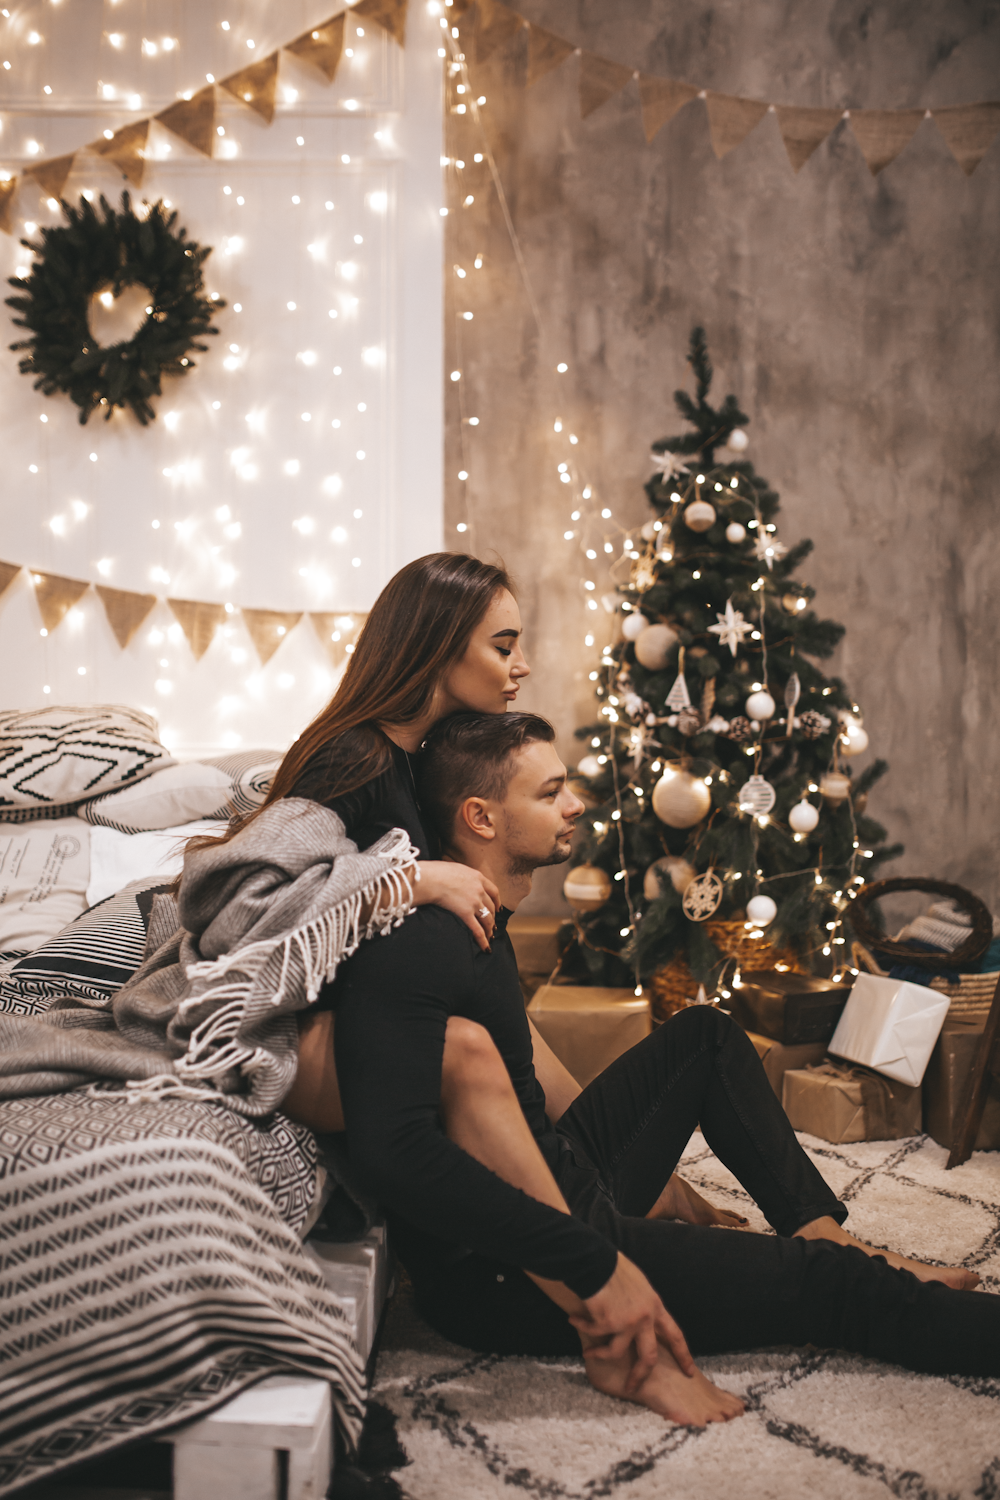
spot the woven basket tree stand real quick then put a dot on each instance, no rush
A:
(673, 987)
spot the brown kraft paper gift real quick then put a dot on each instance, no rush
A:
(841, 1103)
(588, 1026)
(944, 1083)
(777, 1058)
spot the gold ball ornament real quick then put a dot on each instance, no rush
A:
(681, 800)
(699, 515)
(587, 888)
(835, 786)
(653, 647)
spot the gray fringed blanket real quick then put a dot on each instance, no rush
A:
(260, 923)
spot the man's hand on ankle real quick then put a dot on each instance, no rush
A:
(627, 1313)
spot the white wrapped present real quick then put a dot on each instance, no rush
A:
(890, 1025)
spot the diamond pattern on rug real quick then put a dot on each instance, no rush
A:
(822, 1424)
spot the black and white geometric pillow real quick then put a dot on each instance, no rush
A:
(51, 759)
(224, 787)
(89, 960)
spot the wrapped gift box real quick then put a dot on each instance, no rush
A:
(843, 1104)
(890, 1025)
(945, 1081)
(588, 1026)
(536, 948)
(777, 1058)
(790, 1008)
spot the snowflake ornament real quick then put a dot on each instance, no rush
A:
(670, 465)
(767, 549)
(731, 629)
(702, 897)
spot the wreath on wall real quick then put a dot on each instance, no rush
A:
(99, 255)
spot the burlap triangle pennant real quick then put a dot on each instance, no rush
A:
(199, 622)
(802, 130)
(256, 85)
(322, 46)
(545, 52)
(497, 24)
(193, 119)
(730, 120)
(51, 175)
(56, 596)
(336, 632)
(267, 629)
(969, 130)
(127, 149)
(882, 133)
(389, 14)
(8, 572)
(7, 191)
(599, 79)
(125, 611)
(661, 98)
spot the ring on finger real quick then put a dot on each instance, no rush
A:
(483, 911)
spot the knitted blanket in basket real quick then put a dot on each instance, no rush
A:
(259, 924)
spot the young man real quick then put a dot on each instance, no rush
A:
(589, 1256)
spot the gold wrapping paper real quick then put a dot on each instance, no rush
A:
(587, 1027)
(842, 1104)
(944, 1083)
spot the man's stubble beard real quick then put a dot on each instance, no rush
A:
(519, 865)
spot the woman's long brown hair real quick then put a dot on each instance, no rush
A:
(419, 626)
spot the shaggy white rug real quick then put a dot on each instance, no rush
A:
(825, 1426)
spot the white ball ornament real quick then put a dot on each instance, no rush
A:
(853, 740)
(699, 515)
(803, 817)
(681, 800)
(738, 440)
(760, 705)
(648, 531)
(590, 767)
(735, 532)
(652, 647)
(587, 888)
(761, 910)
(633, 625)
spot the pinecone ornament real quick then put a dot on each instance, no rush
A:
(812, 724)
(740, 729)
(689, 721)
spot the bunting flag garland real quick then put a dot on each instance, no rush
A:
(882, 133)
(127, 149)
(7, 191)
(969, 130)
(198, 621)
(336, 634)
(802, 130)
(256, 85)
(56, 596)
(545, 52)
(267, 629)
(51, 175)
(661, 98)
(600, 78)
(497, 24)
(389, 14)
(125, 610)
(321, 47)
(193, 119)
(8, 572)
(731, 120)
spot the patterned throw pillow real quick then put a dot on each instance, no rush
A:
(90, 960)
(44, 877)
(51, 759)
(222, 788)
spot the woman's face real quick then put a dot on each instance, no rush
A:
(487, 677)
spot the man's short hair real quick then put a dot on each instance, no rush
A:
(472, 755)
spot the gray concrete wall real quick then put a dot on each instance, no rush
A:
(854, 317)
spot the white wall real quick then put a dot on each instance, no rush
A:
(215, 468)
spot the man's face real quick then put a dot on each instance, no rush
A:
(539, 813)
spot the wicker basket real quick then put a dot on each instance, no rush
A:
(971, 997)
(673, 987)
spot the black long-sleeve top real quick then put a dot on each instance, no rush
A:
(393, 999)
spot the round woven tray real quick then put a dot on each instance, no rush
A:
(968, 952)
(970, 998)
(673, 987)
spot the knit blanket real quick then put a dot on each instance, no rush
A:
(259, 925)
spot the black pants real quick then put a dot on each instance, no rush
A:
(728, 1289)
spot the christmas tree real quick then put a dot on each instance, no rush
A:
(718, 778)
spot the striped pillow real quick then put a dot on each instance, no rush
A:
(90, 959)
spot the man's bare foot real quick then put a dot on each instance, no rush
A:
(680, 1201)
(690, 1400)
(827, 1228)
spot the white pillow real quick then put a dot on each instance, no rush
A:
(116, 858)
(53, 758)
(219, 788)
(44, 869)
